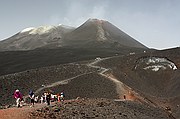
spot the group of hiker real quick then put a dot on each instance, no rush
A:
(47, 98)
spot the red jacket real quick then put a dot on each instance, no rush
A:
(17, 95)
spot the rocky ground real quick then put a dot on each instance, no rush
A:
(36, 78)
(18, 113)
(160, 87)
(83, 80)
(91, 85)
(98, 108)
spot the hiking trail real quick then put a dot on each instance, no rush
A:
(22, 113)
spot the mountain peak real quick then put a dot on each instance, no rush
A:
(96, 20)
(100, 33)
(93, 22)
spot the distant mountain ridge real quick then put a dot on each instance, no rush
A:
(93, 33)
(32, 38)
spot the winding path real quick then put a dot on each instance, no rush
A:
(63, 82)
(120, 88)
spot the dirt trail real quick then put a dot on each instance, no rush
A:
(120, 87)
(18, 113)
(22, 113)
(63, 82)
(124, 91)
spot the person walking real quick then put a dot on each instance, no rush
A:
(31, 96)
(18, 96)
(62, 96)
(48, 98)
(58, 97)
(42, 99)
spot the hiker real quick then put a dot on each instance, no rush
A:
(52, 98)
(48, 98)
(42, 99)
(36, 99)
(18, 96)
(55, 98)
(31, 96)
(124, 97)
(58, 97)
(45, 95)
(62, 96)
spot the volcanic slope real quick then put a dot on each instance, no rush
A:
(99, 108)
(100, 33)
(32, 38)
(85, 80)
(17, 61)
(53, 45)
(155, 76)
(77, 80)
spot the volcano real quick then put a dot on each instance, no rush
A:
(100, 33)
(93, 33)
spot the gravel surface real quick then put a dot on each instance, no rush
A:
(98, 108)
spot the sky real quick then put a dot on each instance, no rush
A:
(154, 23)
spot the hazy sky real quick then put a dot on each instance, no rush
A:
(155, 23)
